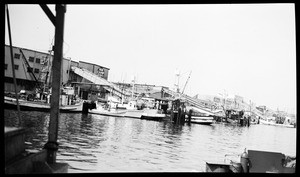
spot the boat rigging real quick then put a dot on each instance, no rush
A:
(186, 82)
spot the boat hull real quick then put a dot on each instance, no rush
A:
(153, 114)
(275, 124)
(113, 113)
(202, 120)
(153, 117)
(134, 114)
(40, 106)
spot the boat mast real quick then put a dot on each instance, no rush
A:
(133, 81)
(177, 75)
(13, 66)
(43, 77)
(186, 82)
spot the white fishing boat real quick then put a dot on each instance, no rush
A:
(153, 114)
(134, 113)
(270, 121)
(131, 105)
(205, 120)
(107, 111)
(200, 116)
(10, 103)
(111, 112)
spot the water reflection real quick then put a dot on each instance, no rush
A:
(94, 143)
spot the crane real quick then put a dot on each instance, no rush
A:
(186, 82)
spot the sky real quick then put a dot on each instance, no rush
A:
(241, 49)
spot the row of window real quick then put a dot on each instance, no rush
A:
(31, 59)
(29, 69)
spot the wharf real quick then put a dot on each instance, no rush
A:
(18, 161)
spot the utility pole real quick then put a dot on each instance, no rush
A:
(58, 21)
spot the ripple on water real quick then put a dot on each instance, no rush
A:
(96, 143)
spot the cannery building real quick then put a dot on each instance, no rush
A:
(85, 87)
(32, 69)
(33, 73)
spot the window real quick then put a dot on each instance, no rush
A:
(5, 66)
(31, 59)
(36, 70)
(38, 60)
(17, 56)
(29, 69)
(16, 67)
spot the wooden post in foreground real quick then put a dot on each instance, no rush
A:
(52, 145)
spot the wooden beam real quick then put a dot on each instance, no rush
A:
(52, 145)
(48, 13)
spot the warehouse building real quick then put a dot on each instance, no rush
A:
(33, 73)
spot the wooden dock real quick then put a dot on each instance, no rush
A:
(18, 161)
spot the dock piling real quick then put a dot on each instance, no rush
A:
(52, 144)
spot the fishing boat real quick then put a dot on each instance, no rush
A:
(205, 120)
(272, 122)
(10, 103)
(200, 116)
(107, 111)
(131, 105)
(134, 113)
(153, 114)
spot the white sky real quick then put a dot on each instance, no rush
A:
(245, 49)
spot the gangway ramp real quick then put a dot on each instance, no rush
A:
(192, 101)
(98, 80)
(195, 109)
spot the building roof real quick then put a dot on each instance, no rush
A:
(93, 64)
(28, 49)
(90, 76)
(39, 52)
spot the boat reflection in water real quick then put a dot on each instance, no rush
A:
(96, 143)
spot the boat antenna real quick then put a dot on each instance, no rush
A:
(13, 66)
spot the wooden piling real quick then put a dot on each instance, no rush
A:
(190, 116)
(52, 145)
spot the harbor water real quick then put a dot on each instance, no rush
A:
(95, 143)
